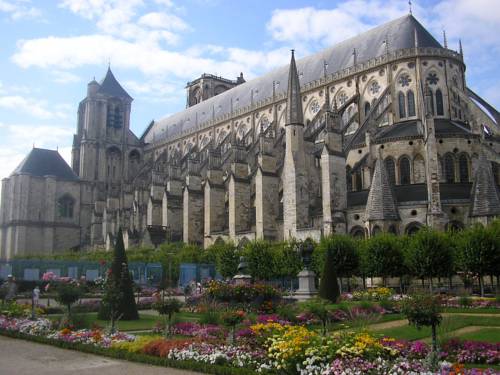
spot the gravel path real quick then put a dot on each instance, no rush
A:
(20, 357)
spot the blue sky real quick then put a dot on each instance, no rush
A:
(51, 49)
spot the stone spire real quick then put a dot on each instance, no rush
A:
(484, 195)
(381, 204)
(294, 115)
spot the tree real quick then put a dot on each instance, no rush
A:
(329, 286)
(429, 255)
(127, 307)
(111, 299)
(478, 252)
(67, 293)
(424, 310)
(228, 259)
(167, 308)
(343, 248)
(260, 259)
(319, 309)
(290, 262)
(384, 257)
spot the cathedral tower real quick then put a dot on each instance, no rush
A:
(100, 145)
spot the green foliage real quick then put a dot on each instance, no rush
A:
(227, 258)
(211, 316)
(319, 308)
(168, 308)
(67, 293)
(121, 279)
(429, 254)
(261, 260)
(329, 286)
(343, 248)
(384, 256)
(289, 262)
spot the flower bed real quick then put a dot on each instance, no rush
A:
(267, 347)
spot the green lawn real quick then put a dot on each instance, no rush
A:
(486, 334)
(448, 325)
(489, 310)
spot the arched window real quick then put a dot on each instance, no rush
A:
(411, 103)
(463, 168)
(413, 228)
(404, 171)
(357, 232)
(390, 167)
(392, 229)
(65, 206)
(418, 170)
(348, 177)
(439, 103)
(401, 100)
(449, 168)
(359, 180)
(367, 108)
(376, 230)
(118, 118)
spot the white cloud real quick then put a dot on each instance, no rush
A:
(148, 57)
(61, 76)
(19, 9)
(161, 20)
(18, 138)
(330, 26)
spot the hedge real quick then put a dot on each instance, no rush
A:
(134, 357)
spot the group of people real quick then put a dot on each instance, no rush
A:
(8, 291)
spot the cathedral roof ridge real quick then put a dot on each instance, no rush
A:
(369, 45)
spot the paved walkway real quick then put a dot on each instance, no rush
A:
(20, 357)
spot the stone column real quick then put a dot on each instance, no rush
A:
(193, 217)
(266, 198)
(214, 194)
(239, 199)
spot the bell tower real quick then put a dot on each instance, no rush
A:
(100, 145)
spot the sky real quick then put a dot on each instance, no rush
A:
(50, 50)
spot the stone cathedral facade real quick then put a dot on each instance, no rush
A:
(378, 133)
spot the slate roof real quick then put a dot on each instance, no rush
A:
(381, 204)
(485, 201)
(110, 86)
(400, 130)
(42, 162)
(443, 126)
(368, 45)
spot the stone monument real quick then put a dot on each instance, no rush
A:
(242, 277)
(307, 288)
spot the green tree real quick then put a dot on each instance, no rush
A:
(343, 248)
(67, 293)
(429, 255)
(112, 298)
(167, 308)
(261, 260)
(289, 262)
(384, 257)
(329, 286)
(127, 307)
(424, 310)
(228, 258)
(478, 252)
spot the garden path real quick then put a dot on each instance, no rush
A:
(20, 357)
(464, 330)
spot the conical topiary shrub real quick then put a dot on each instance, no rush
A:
(126, 307)
(329, 286)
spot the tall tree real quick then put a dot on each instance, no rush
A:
(478, 252)
(329, 286)
(343, 248)
(261, 260)
(429, 255)
(126, 307)
(384, 257)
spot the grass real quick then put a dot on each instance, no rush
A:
(485, 334)
(448, 325)
(464, 310)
